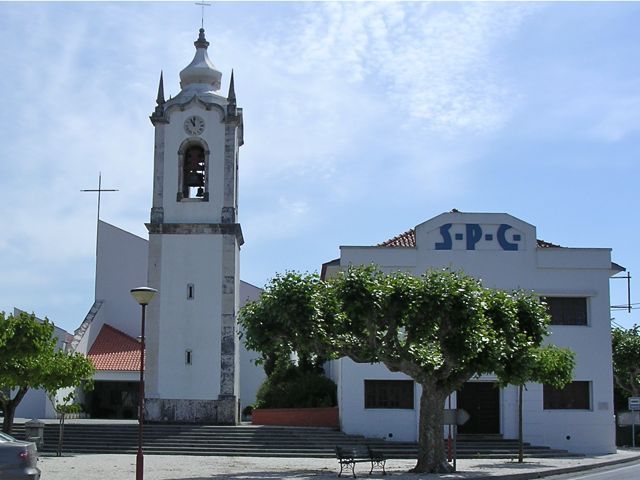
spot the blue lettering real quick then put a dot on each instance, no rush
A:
(446, 243)
(474, 234)
(502, 238)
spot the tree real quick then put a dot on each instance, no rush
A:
(29, 359)
(440, 329)
(550, 365)
(626, 360)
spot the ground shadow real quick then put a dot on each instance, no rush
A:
(514, 465)
(326, 475)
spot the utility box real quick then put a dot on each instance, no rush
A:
(34, 432)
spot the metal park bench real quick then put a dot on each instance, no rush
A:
(349, 455)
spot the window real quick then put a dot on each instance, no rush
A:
(190, 291)
(575, 396)
(188, 357)
(567, 310)
(193, 178)
(388, 394)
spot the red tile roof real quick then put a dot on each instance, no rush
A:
(408, 239)
(115, 350)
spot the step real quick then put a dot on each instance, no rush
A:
(257, 441)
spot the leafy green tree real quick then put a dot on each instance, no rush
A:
(440, 329)
(550, 364)
(626, 360)
(29, 359)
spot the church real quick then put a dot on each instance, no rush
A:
(193, 355)
(198, 371)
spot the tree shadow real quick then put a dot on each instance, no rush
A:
(326, 475)
(514, 465)
(267, 475)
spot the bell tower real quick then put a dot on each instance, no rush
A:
(194, 244)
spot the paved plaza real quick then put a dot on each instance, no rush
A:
(164, 467)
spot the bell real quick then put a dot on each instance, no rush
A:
(194, 179)
(200, 192)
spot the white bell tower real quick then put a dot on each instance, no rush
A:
(194, 243)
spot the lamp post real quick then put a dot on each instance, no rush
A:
(142, 295)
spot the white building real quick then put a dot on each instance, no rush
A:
(109, 333)
(193, 356)
(504, 252)
(36, 403)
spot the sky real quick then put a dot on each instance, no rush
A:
(362, 120)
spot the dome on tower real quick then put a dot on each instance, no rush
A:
(201, 74)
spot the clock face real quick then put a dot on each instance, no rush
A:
(194, 125)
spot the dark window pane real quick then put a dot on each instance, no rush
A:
(574, 396)
(567, 310)
(388, 394)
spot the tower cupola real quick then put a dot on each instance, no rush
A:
(201, 74)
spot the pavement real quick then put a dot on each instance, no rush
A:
(166, 467)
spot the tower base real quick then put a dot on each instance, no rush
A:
(223, 411)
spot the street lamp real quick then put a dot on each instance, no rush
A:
(142, 295)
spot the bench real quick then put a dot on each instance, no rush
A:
(349, 455)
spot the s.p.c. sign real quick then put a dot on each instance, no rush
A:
(473, 233)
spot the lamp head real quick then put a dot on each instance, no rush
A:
(143, 295)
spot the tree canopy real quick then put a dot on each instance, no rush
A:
(29, 359)
(626, 360)
(440, 329)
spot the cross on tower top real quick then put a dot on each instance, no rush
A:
(203, 4)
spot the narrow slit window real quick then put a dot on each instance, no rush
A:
(190, 291)
(188, 357)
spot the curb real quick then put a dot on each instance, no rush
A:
(558, 471)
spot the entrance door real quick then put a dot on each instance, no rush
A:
(482, 401)
(113, 400)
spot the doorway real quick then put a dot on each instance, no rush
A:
(113, 400)
(482, 401)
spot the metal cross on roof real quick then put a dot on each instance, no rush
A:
(99, 190)
(203, 4)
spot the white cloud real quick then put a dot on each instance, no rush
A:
(429, 64)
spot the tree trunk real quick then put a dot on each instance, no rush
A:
(520, 439)
(431, 451)
(60, 435)
(9, 408)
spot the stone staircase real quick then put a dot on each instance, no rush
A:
(253, 441)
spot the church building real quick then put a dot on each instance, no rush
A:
(193, 356)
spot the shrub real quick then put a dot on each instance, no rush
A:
(294, 387)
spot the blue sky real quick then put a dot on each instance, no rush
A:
(362, 120)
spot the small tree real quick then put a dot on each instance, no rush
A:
(29, 359)
(440, 329)
(626, 360)
(551, 365)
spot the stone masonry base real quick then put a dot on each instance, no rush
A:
(223, 411)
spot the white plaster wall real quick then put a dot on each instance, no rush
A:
(189, 324)
(251, 375)
(36, 403)
(562, 272)
(33, 405)
(391, 424)
(194, 211)
(116, 376)
(121, 266)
